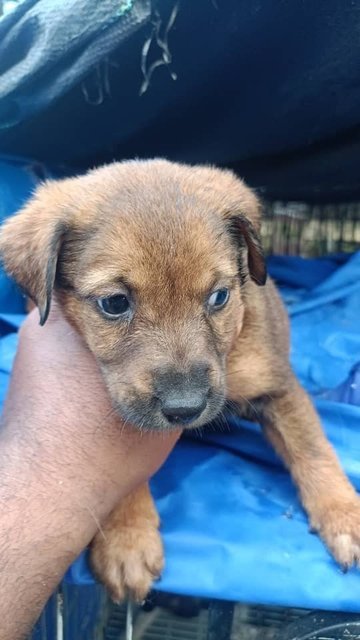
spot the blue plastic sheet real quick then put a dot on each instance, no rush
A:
(231, 522)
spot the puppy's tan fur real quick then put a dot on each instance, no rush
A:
(168, 235)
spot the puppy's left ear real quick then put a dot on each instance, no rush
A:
(30, 242)
(242, 229)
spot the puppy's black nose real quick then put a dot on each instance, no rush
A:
(182, 395)
(183, 409)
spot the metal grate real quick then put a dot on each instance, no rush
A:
(296, 228)
(262, 623)
(156, 624)
(115, 627)
(164, 624)
(250, 623)
(274, 617)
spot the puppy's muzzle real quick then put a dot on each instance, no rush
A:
(182, 396)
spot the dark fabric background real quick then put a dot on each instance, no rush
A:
(271, 88)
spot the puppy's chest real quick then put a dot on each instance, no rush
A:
(248, 377)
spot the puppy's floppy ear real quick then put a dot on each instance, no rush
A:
(30, 243)
(241, 229)
(241, 210)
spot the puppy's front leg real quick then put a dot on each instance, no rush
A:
(293, 427)
(127, 554)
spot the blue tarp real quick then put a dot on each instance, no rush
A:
(232, 525)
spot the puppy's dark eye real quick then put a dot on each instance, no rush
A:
(218, 299)
(114, 306)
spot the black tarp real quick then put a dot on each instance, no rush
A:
(271, 88)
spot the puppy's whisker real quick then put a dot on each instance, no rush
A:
(221, 423)
(112, 412)
(237, 410)
(97, 522)
(233, 373)
(199, 431)
(94, 517)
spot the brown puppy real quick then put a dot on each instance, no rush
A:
(159, 266)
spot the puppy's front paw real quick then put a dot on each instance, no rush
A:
(340, 530)
(128, 560)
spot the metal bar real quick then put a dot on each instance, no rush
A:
(221, 614)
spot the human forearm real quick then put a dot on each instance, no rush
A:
(65, 463)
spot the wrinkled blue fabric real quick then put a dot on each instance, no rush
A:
(231, 522)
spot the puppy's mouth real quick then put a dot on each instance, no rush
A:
(149, 414)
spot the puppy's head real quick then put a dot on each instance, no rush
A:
(151, 262)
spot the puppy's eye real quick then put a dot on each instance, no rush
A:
(218, 299)
(114, 306)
